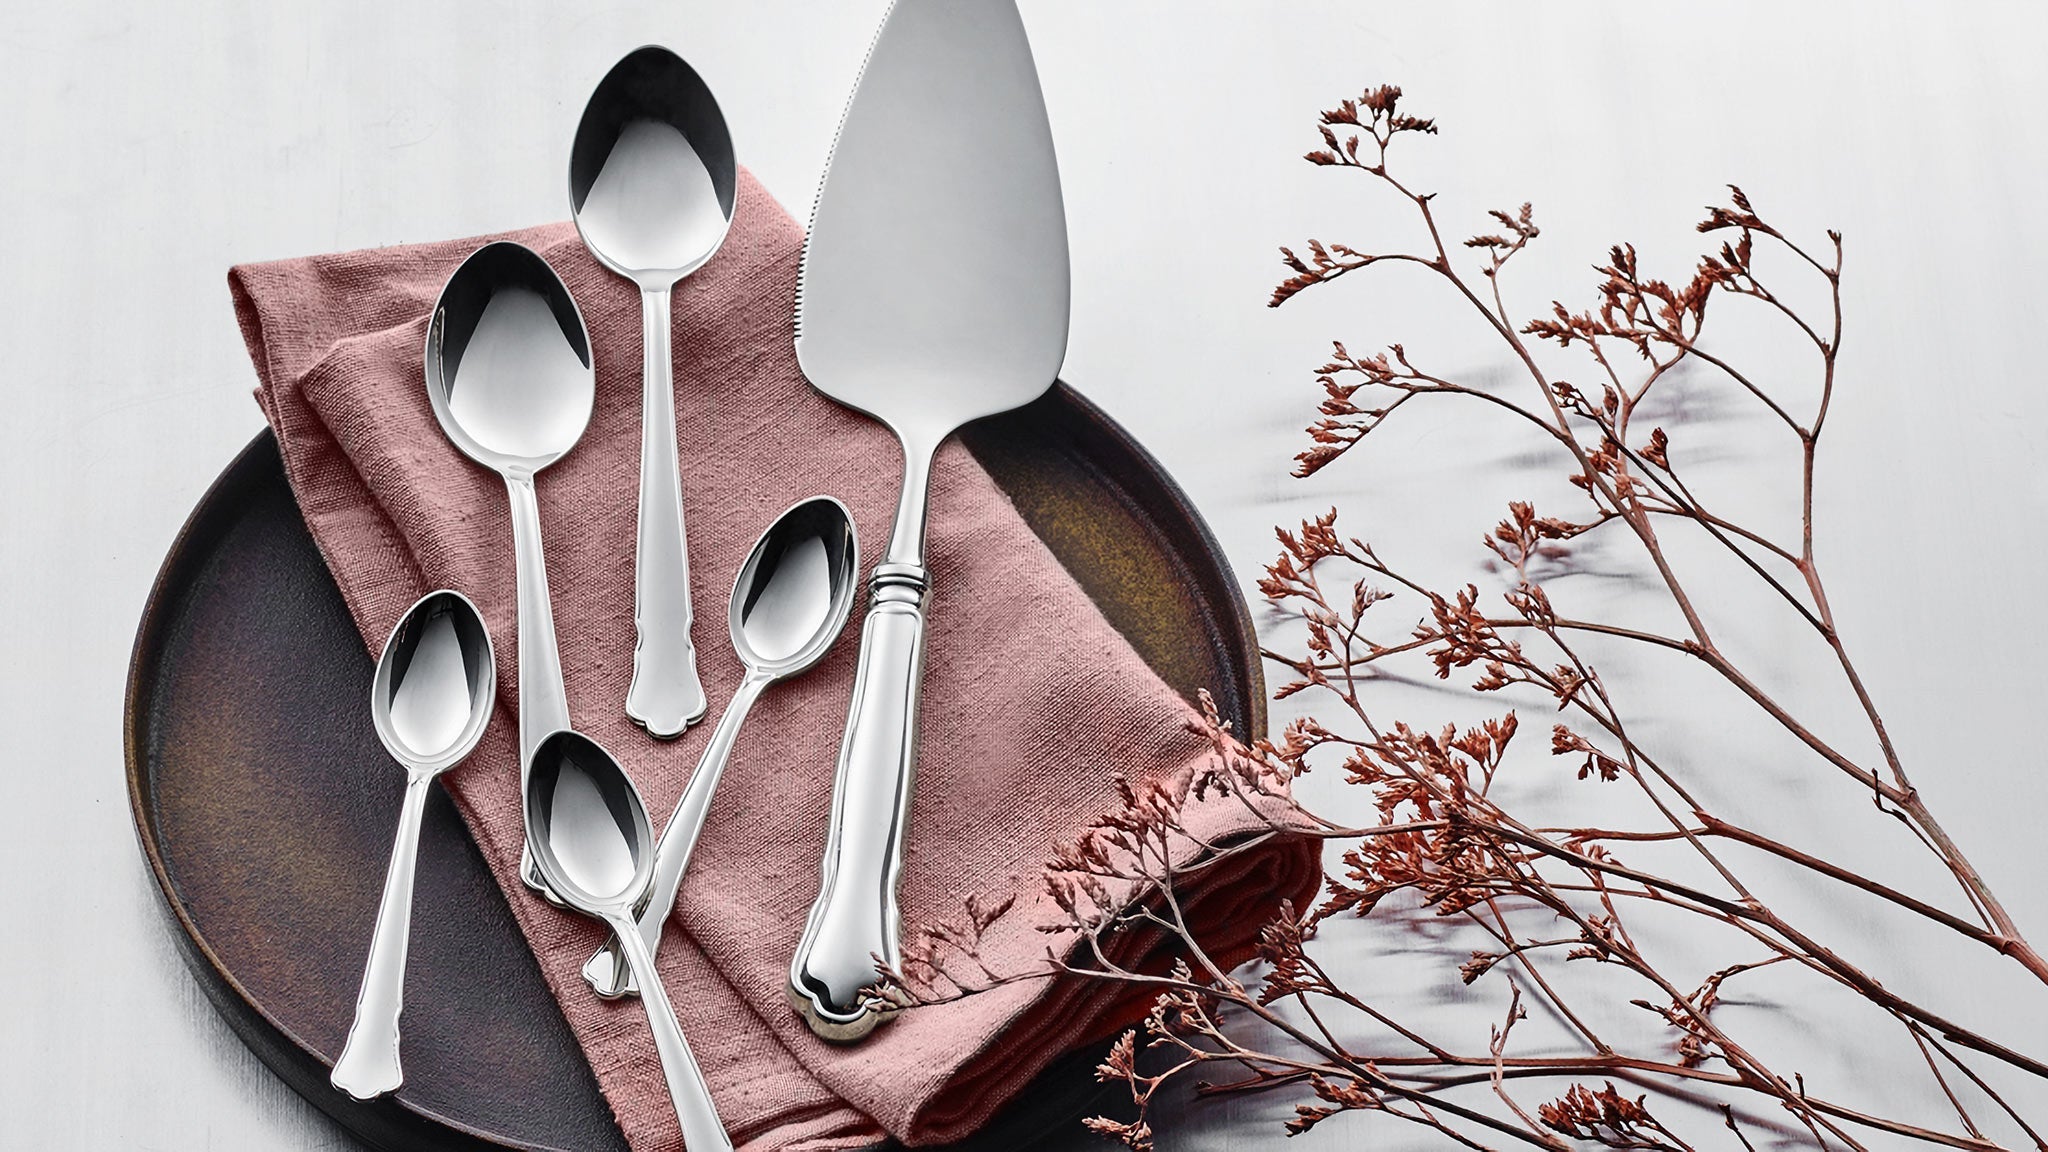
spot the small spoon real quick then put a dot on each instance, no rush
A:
(789, 602)
(651, 185)
(587, 829)
(430, 700)
(510, 379)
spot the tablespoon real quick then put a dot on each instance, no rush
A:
(651, 183)
(789, 602)
(587, 829)
(509, 377)
(430, 699)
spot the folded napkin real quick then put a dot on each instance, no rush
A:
(1032, 701)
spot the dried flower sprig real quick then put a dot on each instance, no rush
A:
(1536, 898)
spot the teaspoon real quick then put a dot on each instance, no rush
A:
(789, 602)
(430, 700)
(651, 185)
(587, 829)
(510, 379)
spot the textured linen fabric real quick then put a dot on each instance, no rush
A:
(1032, 701)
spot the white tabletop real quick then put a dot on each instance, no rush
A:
(149, 146)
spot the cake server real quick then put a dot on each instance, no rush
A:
(933, 292)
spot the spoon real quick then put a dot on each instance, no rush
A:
(789, 602)
(510, 379)
(587, 829)
(651, 184)
(430, 700)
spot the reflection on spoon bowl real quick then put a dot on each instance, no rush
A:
(587, 825)
(795, 590)
(652, 204)
(651, 173)
(435, 683)
(508, 361)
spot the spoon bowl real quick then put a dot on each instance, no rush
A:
(789, 602)
(508, 361)
(431, 697)
(587, 825)
(430, 700)
(795, 591)
(652, 177)
(588, 833)
(652, 185)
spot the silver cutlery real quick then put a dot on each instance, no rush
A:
(651, 186)
(509, 376)
(587, 830)
(789, 603)
(934, 291)
(430, 700)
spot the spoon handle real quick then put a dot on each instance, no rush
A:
(606, 971)
(666, 695)
(369, 1065)
(702, 1129)
(543, 701)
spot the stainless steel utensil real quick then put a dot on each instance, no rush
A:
(789, 603)
(651, 185)
(430, 700)
(933, 291)
(509, 375)
(587, 829)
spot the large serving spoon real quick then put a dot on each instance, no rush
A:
(430, 699)
(510, 379)
(789, 603)
(587, 829)
(651, 184)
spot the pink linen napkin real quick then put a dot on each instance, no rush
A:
(1032, 700)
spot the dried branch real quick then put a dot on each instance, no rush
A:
(1539, 898)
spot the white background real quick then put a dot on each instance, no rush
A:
(148, 146)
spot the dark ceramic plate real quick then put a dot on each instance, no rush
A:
(247, 722)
